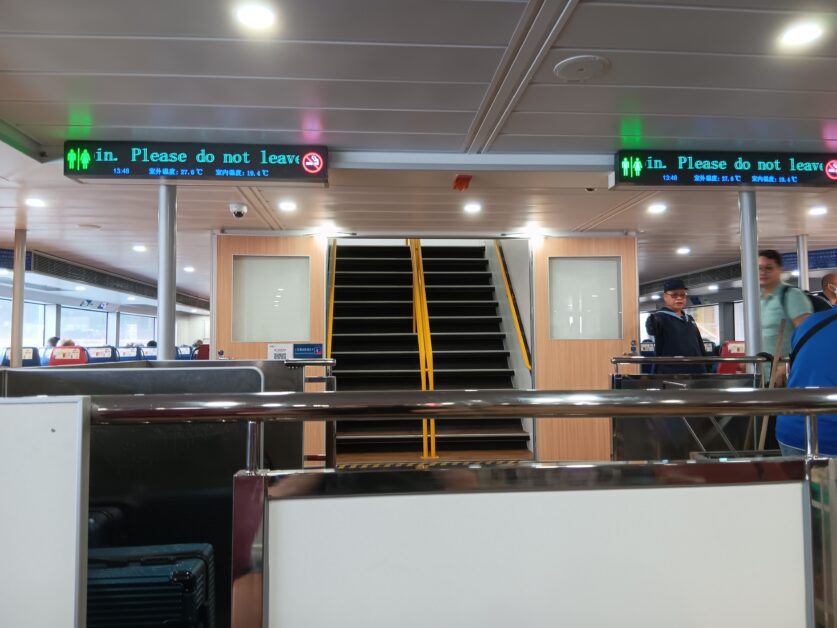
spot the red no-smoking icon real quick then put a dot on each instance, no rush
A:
(831, 169)
(312, 162)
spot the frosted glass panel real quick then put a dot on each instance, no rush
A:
(585, 298)
(271, 299)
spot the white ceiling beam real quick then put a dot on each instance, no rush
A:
(372, 160)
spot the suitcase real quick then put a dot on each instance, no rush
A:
(105, 526)
(153, 585)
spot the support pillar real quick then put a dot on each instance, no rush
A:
(750, 271)
(166, 271)
(802, 261)
(18, 283)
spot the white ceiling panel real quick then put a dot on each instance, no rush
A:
(682, 28)
(177, 57)
(219, 117)
(80, 89)
(738, 5)
(610, 143)
(680, 69)
(402, 21)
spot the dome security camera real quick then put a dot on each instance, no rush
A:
(238, 209)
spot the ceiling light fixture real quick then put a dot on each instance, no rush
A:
(684, 250)
(194, 311)
(80, 288)
(800, 34)
(657, 208)
(255, 16)
(131, 298)
(188, 269)
(821, 210)
(655, 297)
(35, 202)
(472, 208)
(795, 273)
(139, 248)
(287, 206)
(713, 287)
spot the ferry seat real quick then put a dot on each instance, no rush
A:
(183, 352)
(65, 356)
(129, 354)
(148, 353)
(45, 355)
(106, 353)
(732, 349)
(31, 357)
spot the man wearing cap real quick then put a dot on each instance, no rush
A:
(675, 332)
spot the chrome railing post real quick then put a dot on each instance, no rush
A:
(812, 441)
(254, 446)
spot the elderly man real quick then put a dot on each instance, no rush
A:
(829, 289)
(675, 332)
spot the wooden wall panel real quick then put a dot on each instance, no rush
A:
(228, 246)
(579, 364)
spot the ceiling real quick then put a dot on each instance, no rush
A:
(410, 78)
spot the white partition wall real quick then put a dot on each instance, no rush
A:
(727, 555)
(43, 521)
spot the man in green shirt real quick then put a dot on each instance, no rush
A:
(779, 302)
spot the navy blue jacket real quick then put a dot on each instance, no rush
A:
(675, 335)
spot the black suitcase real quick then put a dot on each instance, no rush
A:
(155, 585)
(105, 526)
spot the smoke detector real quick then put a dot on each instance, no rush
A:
(581, 68)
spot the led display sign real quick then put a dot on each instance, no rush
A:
(164, 160)
(702, 168)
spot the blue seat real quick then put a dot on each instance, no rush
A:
(31, 357)
(129, 354)
(149, 353)
(183, 353)
(106, 353)
(45, 352)
(646, 349)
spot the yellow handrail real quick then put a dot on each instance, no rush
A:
(515, 317)
(331, 298)
(421, 325)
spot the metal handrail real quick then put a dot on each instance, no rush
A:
(462, 404)
(326, 362)
(680, 359)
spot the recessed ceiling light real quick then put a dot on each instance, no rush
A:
(287, 206)
(80, 288)
(657, 208)
(800, 34)
(194, 311)
(140, 248)
(822, 210)
(132, 298)
(188, 269)
(655, 297)
(35, 202)
(795, 273)
(684, 250)
(255, 16)
(713, 287)
(472, 208)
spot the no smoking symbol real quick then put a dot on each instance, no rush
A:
(831, 169)
(312, 163)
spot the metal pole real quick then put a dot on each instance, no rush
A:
(18, 282)
(802, 260)
(812, 441)
(167, 271)
(254, 446)
(750, 272)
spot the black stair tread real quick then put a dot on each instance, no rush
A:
(377, 287)
(471, 334)
(415, 352)
(374, 333)
(440, 434)
(452, 302)
(338, 302)
(392, 318)
(469, 286)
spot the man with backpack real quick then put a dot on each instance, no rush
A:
(779, 302)
(812, 365)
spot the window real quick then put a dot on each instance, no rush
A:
(707, 318)
(33, 324)
(271, 299)
(738, 319)
(87, 328)
(585, 298)
(136, 329)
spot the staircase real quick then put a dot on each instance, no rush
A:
(376, 349)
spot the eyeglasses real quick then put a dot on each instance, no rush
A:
(677, 295)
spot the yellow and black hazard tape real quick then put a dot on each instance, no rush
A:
(364, 466)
